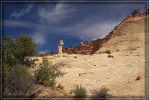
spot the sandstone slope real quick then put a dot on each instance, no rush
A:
(118, 73)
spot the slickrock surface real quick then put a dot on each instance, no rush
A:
(118, 72)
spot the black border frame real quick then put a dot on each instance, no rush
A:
(146, 85)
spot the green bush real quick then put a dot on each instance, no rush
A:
(16, 50)
(8, 51)
(5, 75)
(101, 94)
(47, 74)
(24, 47)
(19, 81)
(79, 92)
(16, 80)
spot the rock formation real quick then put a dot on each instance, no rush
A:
(60, 47)
(91, 47)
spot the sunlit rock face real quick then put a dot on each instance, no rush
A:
(60, 46)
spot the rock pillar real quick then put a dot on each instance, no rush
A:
(60, 47)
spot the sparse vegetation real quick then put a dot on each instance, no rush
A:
(75, 56)
(108, 51)
(47, 74)
(19, 81)
(15, 77)
(136, 12)
(79, 92)
(117, 50)
(110, 56)
(101, 94)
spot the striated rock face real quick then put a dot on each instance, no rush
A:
(128, 35)
(129, 31)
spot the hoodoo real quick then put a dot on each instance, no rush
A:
(60, 47)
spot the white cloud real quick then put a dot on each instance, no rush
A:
(57, 14)
(39, 38)
(98, 30)
(43, 51)
(22, 11)
(83, 30)
(19, 23)
(87, 29)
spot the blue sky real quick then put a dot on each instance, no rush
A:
(48, 23)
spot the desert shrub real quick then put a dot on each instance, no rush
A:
(135, 12)
(60, 86)
(117, 50)
(24, 47)
(101, 94)
(75, 56)
(9, 51)
(79, 92)
(5, 75)
(15, 77)
(108, 51)
(47, 74)
(16, 50)
(110, 56)
(19, 81)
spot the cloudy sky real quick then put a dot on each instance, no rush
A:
(71, 22)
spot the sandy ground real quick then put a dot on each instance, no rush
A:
(94, 71)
